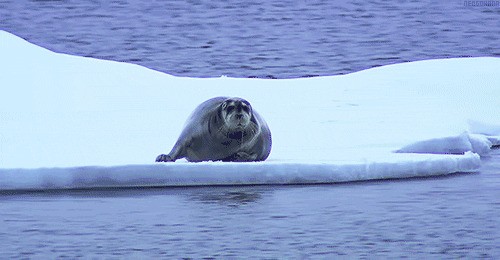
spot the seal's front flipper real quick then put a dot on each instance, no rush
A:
(164, 158)
(245, 157)
(241, 157)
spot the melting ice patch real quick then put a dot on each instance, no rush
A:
(61, 113)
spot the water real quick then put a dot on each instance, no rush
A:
(273, 39)
(446, 217)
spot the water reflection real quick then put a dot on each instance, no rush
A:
(229, 196)
(224, 195)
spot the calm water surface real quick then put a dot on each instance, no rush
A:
(241, 38)
(448, 217)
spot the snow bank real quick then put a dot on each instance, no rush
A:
(65, 111)
(460, 144)
(206, 173)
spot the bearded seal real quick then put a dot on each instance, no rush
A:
(222, 129)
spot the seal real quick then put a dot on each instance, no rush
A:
(222, 129)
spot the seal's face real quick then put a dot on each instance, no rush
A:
(236, 113)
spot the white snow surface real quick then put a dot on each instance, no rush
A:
(61, 113)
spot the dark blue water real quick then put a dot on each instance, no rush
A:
(431, 218)
(241, 38)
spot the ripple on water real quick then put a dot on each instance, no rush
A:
(268, 40)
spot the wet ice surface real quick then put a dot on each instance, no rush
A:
(445, 217)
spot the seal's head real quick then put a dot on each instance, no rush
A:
(236, 113)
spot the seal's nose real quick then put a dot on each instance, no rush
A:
(239, 116)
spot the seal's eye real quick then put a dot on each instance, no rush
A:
(246, 109)
(230, 108)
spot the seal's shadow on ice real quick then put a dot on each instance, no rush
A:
(222, 129)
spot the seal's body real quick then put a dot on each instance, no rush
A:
(222, 129)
